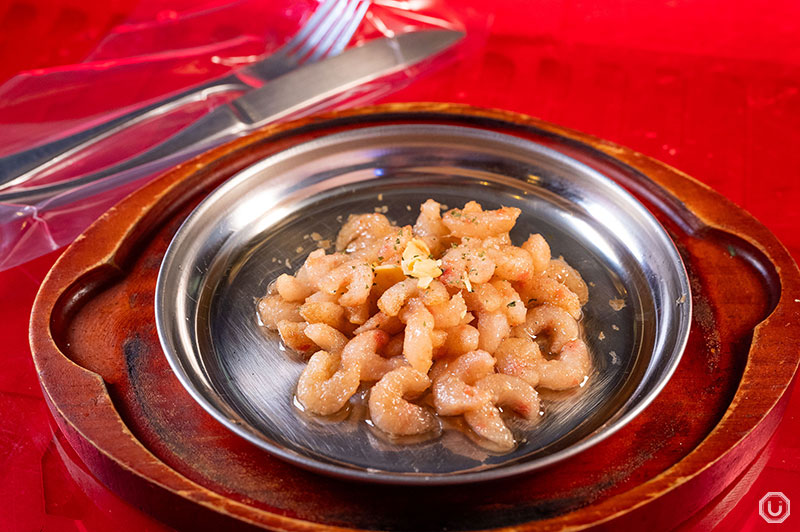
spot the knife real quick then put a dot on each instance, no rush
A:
(287, 94)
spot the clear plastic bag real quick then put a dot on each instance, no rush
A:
(154, 53)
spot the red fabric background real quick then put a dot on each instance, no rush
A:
(710, 87)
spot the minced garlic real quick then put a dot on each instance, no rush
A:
(387, 275)
(417, 262)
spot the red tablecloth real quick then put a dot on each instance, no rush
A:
(710, 87)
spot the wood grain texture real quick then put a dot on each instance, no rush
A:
(113, 395)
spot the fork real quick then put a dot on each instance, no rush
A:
(325, 33)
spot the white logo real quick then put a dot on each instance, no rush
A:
(774, 507)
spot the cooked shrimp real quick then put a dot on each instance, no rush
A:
(393, 244)
(324, 312)
(395, 346)
(484, 297)
(542, 289)
(325, 385)
(292, 289)
(493, 328)
(562, 327)
(293, 336)
(273, 309)
(510, 302)
(418, 343)
(410, 306)
(568, 369)
(318, 265)
(358, 278)
(395, 297)
(357, 314)
(511, 263)
(465, 265)
(430, 228)
(450, 313)
(460, 339)
(326, 337)
(362, 352)
(519, 357)
(454, 391)
(472, 221)
(435, 294)
(565, 274)
(361, 235)
(506, 391)
(539, 251)
(390, 409)
(379, 320)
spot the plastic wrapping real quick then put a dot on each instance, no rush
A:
(155, 53)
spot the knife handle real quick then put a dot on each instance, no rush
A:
(214, 128)
(21, 166)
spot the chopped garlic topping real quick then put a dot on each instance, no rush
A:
(417, 262)
(387, 275)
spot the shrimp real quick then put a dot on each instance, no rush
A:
(418, 341)
(362, 352)
(465, 265)
(357, 314)
(325, 385)
(511, 263)
(324, 312)
(293, 336)
(493, 328)
(395, 346)
(472, 221)
(519, 357)
(430, 228)
(484, 297)
(326, 337)
(541, 289)
(392, 245)
(453, 389)
(362, 235)
(568, 370)
(539, 250)
(504, 390)
(273, 309)
(390, 409)
(318, 265)
(432, 305)
(435, 294)
(291, 289)
(565, 274)
(393, 299)
(450, 313)
(460, 339)
(358, 278)
(379, 320)
(562, 327)
(510, 302)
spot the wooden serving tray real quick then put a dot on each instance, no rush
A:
(113, 395)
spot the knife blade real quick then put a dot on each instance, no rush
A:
(287, 94)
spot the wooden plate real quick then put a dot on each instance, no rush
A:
(113, 395)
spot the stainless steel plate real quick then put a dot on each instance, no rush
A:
(257, 226)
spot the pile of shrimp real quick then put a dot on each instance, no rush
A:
(446, 317)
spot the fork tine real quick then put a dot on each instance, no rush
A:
(317, 34)
(341, 31)
(321, 16)
(350, 29)
(291, 54)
